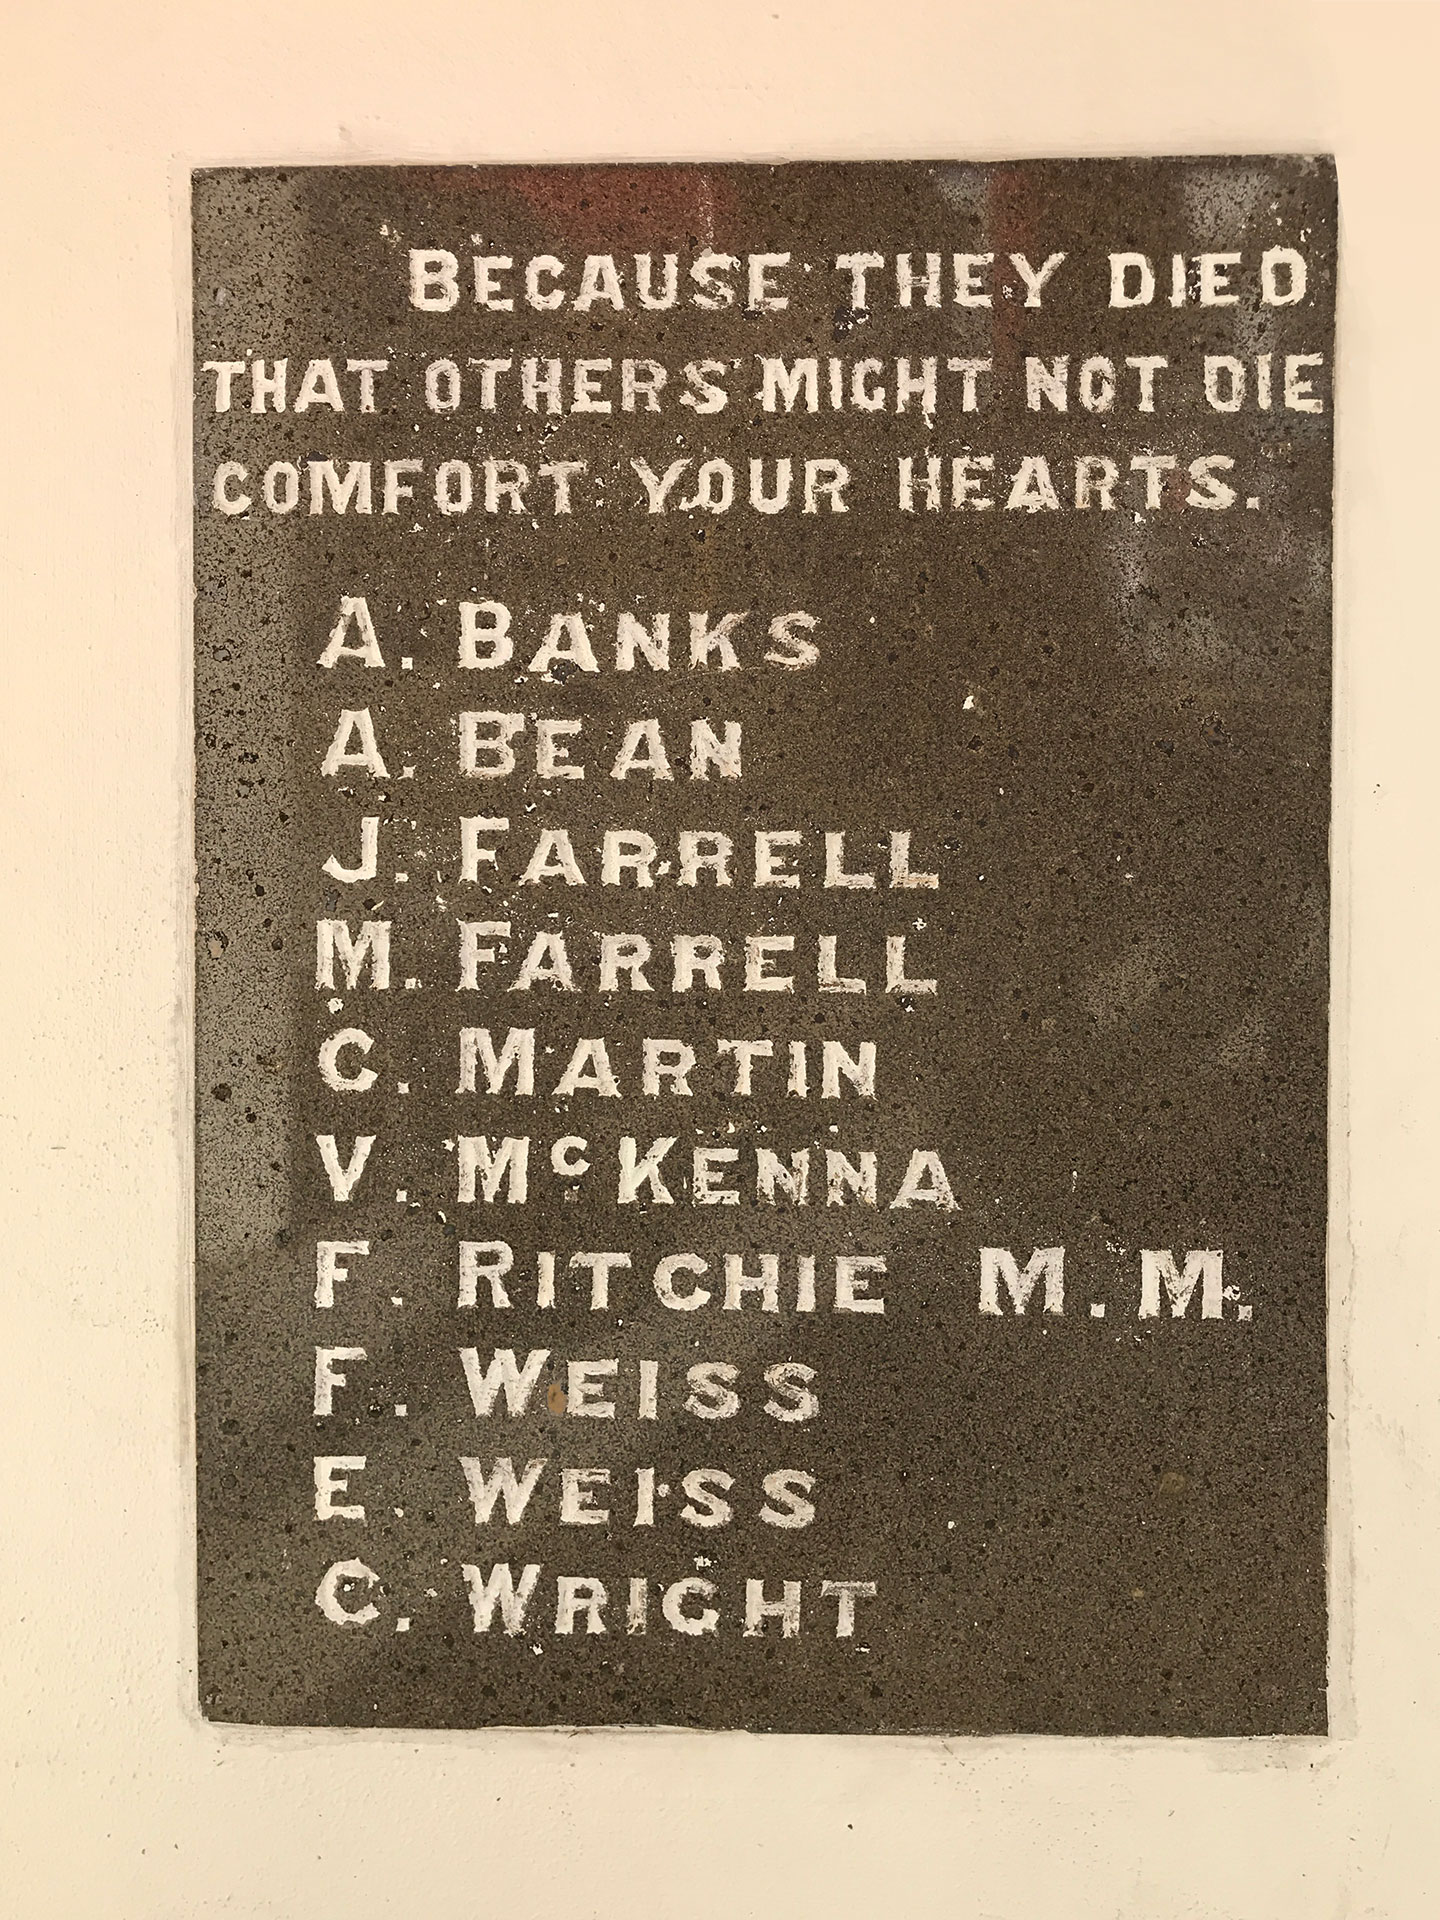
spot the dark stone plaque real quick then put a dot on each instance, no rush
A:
(761, 826)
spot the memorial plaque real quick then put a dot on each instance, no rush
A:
(762, 801)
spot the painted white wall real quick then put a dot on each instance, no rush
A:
(115, 1799)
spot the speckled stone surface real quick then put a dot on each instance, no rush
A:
(1108, 733)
